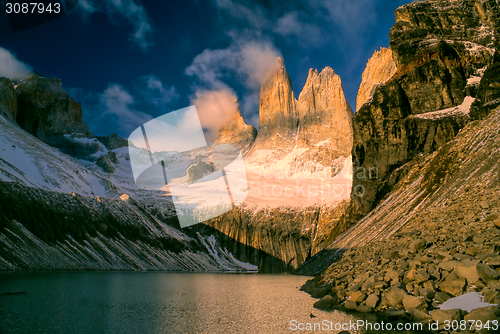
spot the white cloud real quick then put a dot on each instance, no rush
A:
(290, 25)
(11, 67)
(215, 108)
(120, 11)
(255, 17)
(156, 93)
(118, 102)
(246, 60)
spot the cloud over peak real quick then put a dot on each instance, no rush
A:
(13, 68)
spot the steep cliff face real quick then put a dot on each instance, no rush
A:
(275, 239)
(319, 123)
(46, 110)
(237, 132)
(296, 193)
(8, 100)
(380, 68)
(441, 50)
(278, 119)
(43, 108)
(325, 117)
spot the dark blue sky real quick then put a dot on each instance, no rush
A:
(126, 61)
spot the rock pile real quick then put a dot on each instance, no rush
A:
(414, 272)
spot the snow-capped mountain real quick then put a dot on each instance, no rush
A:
(58, 214)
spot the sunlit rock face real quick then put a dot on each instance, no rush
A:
(380, 68)
(325, 117)
(278, 118)
(297, 157)
(320, 121)
(441, 49)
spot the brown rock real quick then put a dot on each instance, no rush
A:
(326, 303)
(372, 301)
(412, 302)
(469, 273)
(486, 273)
(395, 296)
(484, 314)
(357, 296)
(441, 316)
(453, 285)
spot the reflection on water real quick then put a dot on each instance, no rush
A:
(155, 302)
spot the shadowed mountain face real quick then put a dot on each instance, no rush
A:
(441, 49)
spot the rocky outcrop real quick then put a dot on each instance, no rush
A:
(440, 48)
(46, 110)
(8, 99)
(488, 91)
(237, 132)
(380, 68)
(320, 121)
(113, 141)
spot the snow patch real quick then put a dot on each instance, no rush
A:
(468, 302)
(462, 109)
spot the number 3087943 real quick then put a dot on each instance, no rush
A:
(32, 7)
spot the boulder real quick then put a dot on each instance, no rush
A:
(417, 245)
(364, 309)
(357, 296)
(372, 300)
(412, 302)
(469, 273)
(441, 297)
(453, 285)
(440, 316)
(395, 297)
(326, 303)
(420, 276)
(419, 316)
(484, 314)
(350, 305)
(486, 273)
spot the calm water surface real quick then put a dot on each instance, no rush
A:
(156, 302)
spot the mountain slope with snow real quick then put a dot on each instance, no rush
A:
(57, 214)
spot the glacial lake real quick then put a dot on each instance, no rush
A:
(159, 302)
